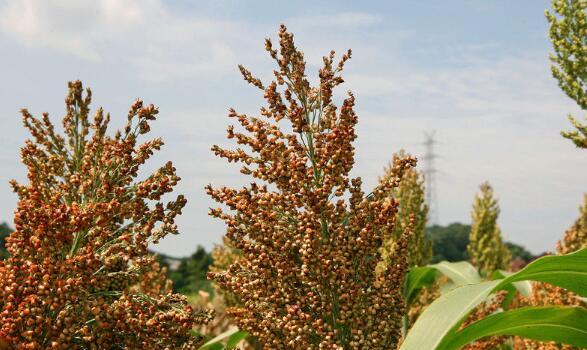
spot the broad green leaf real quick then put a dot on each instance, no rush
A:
(417, 279)
(215, 346)
(562, 324)
(444, 314)
(236, 338)
(443, 317)
(460, 273)
(216, 342)
(523, 287)
(566, 271)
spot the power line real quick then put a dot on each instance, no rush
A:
(430, 178)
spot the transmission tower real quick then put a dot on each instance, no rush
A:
(430, 177)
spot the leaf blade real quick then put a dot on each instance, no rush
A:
(442, 315)
(213, 343)
(567, 271)
(561, 324)
(438, 324)
(461, 272)
(417, 279)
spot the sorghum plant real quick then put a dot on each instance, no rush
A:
(412, 211)
(79, 275)
(576, 236)
(224, 256)
(544, 294)
(309, 236)
(486, 249)
(568, 34)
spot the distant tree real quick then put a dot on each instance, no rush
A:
(449, 242)
(5, 230)
(486, 248)
(190, 275)
(518, 251)
(568, 34)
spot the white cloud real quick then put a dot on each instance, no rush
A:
(507, 86)
(159, 44)
(53, 24)
(162, 64)
(498, 120)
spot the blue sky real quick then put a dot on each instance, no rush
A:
(476, 72)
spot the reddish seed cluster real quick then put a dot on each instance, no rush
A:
(576, 236)
(309, 236)
(80, 276)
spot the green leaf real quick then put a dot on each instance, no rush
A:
(566, 271)
(460, 273)
(236, 338)
(522, 287)
(444, 314)
(441, 320)
(232, 337)
(417, 279)
(215, 346)
(561, 324)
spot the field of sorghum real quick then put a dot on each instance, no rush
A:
(310, 260)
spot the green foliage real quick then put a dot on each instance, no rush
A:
(449, 242)
(523, 287)
(5, 230)
(190, 276)
(554, 323)
(568, 34)
(486, 248)
(517, 251)
(459, 273)
(226, 340)
(438, 328)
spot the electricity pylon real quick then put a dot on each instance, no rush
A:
(430, 178)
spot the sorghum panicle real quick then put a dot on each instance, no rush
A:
(80, 275)
(568, 34)
(576, 236)
(309, 236)
(486, 249)
(412, 211)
